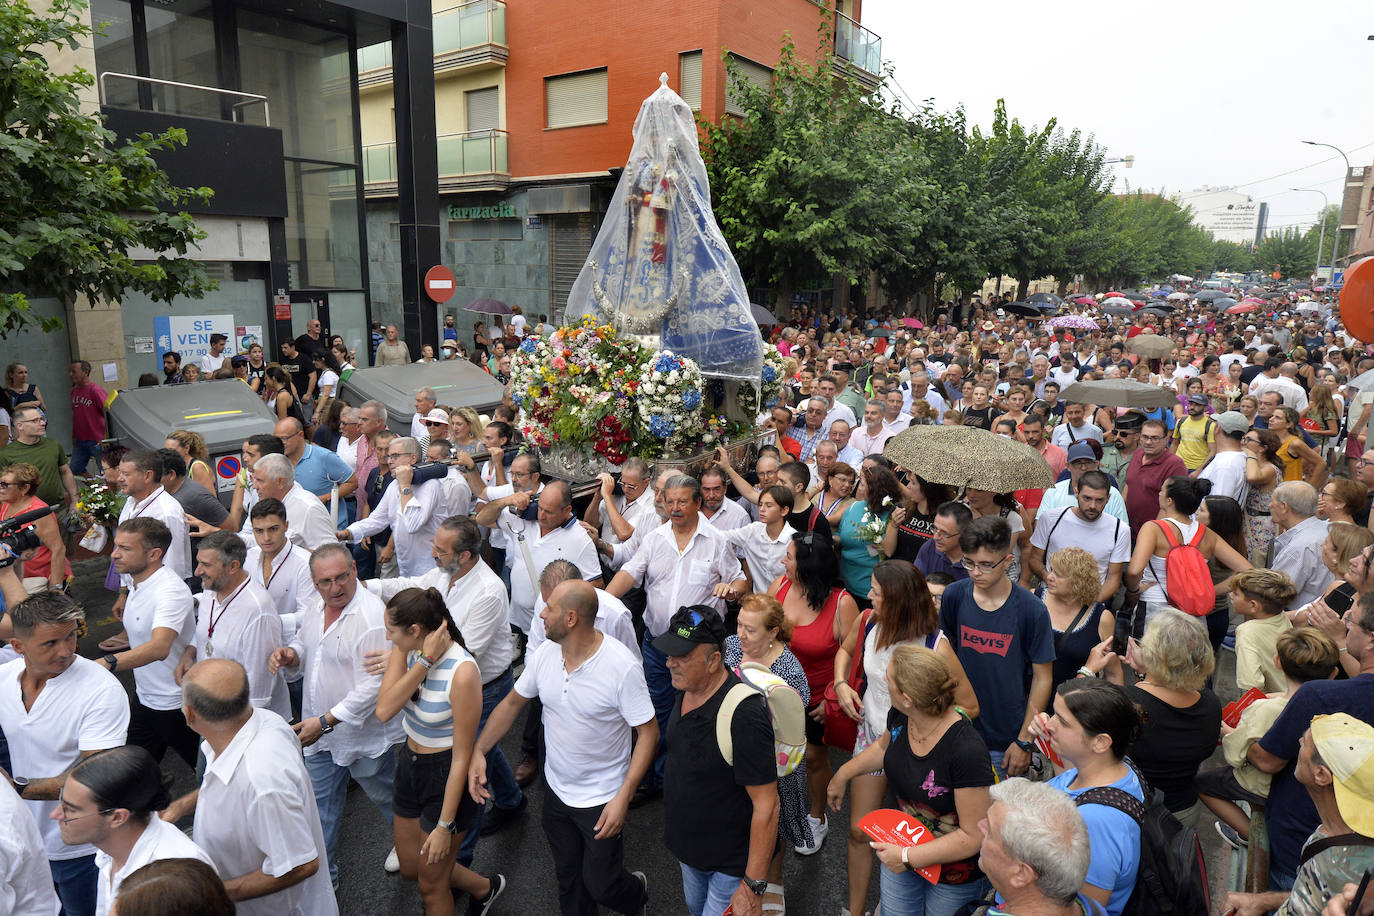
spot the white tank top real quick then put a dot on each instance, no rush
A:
(1157, 583)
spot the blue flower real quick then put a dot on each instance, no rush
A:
(691, 399)
(666, 362)
(518, 398)
(662, 426)
(527, 346)
(771, 403)
(770, 374)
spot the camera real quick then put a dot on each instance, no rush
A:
(17, 535)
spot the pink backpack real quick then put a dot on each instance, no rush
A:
(1190, 587)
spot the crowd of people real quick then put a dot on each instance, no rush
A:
(1028, 675)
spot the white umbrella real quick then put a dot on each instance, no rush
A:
(1362, 382)
(1182, 278)
(1307, 305)
(1119, 300)
(1178, 297)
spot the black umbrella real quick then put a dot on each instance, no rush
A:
(1117, 310)
(1049, 298)
(1023, 308)
(1207, 295)
(1158, 312)
(1225, 302)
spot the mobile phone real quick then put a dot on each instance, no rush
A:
(1341, 598)
(1355, 905)
(1126, 627)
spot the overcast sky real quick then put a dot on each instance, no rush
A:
(1204, 92)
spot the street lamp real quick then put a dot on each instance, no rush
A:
(1336, 240)
(1321, 241)
(1129, 160)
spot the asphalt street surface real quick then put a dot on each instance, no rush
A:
(815, 885)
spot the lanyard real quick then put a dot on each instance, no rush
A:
(215, 618)
(139, 510)
(284, 554)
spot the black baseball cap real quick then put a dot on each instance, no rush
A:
(698, 625)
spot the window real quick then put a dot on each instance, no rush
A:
(689, 79)
(483, 108)
(757, 74)
(575, 98)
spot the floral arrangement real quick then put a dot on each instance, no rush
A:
(872, 527)
(771, 382)
(98, 503)
(669, 399)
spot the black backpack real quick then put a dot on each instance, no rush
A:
(1172, 876)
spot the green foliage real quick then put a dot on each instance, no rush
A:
(73, 201)
(1231, 257)
(1291, 252)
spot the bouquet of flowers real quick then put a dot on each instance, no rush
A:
(772, 380)
(98, 503)
(669, 399)
(872, 527)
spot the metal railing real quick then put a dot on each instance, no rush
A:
(248, 98)
(473, 152)
(467, 25)
(858, 45)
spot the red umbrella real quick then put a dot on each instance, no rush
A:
(1240, 308)
(1086, 300)
(913, 323)
(1255, 299)
(1111, 294)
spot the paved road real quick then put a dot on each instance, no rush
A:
(815, 885)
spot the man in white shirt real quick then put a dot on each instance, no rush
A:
(352, 432)
(309, 522)
(534, 543)
(160, 617)
(826, 388)
(1226, 468)
(612, 616)
(840, 434)
(237, 620)
(55, 708)
(139, 473)
(1084, 525)
(616, 514)
(724, 514)
(594, 696)
(685, 562)
(477, 602)
(339, 728)
(425, 401)
(282, 569)
(110, 800)
(212, 362)
(411, 510)
(27, 883)
(1075, 427)
(871, 438)
(255, 814)
(1279, 376)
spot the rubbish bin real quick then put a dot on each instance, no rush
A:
(456, 382)
(224, 412)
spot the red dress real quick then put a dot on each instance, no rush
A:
(815, 644)
(41, 563)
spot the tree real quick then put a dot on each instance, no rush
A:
(1289, 251)
(73, 200)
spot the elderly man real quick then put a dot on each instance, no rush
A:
(1106, 537)
(823, 461)
(870, 438)
(1281, 377)
(392, 351)
(1298, 544)
(339, 728)
(616, 514)
(812, 429)
(835, 410)
(1035, 851)
(412, 510)
(1063, 494)
(269, 856)
(55, 708)
(766, 469)
(724, 514)
(274, 477)
(895, 416)
(921, 391)
(552, 534)
(425, 401)
(685, 562)
(1150, 466)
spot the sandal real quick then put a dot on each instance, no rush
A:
(777, 906)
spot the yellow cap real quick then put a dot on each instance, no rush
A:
(1346, 746)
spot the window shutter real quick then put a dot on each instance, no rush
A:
(689, 79)
(484, 109)
(757, 74)
(576, 98)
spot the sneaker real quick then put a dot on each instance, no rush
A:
(1229, 834)
(643, 879)
(819, 828)
(483, 907)
(393, 862)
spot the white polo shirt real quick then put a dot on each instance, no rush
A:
(159, 840)
(257, 811)
(589, 715)
(160, 601)
(247, 629)
(162, 506)
(763, 554)
(728, 517)
(612, 618)
(84, 708)
(631, 512)
(289, 586)
(567, 542)
(27, 882)
(413, 525)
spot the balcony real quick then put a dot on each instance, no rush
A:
(468, 37)
(474, 160)
(858, 51)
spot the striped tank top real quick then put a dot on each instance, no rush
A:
(429, 715)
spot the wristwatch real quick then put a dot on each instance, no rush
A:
(20, 783)
(110, 662)
(758, 886)
(325, 727)
(450, 826)
(405, 491)
(1027, 746)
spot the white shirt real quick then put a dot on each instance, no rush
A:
(247, 630)
(478, 605)
(840, 411)
(337, 683)
(894, 426)
(866, 443)
(307, 520)
(1061, 437)
(210, 364)
(1226, 471)
(290, 587)
(413, 525)
(763, 554)
(632, 513)
(589, 715)
(621, 553)
(674, 579)
(162, 506)
(160, 601)
(457, 493)
(257, 811)
(418, 429)
(329, 379)
(348, 451)
(612, 618)
(83, 709)
(25, 880)
(159, 840)
(1108, 539)
(566, 542)
(728, 517)
(1291, 391)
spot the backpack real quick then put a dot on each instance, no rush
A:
(784, 708)
(1172, 875)
(1190, 587)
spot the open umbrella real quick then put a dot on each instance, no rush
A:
(1117, 310)
(1077, 322)
(1051, 298)
(1225, 302)
(1152, 346)
(1362, 382)
(1118, 300)
(878, 332)
(1255, 299)
(1085, 300)
(1028, 309)
(965, 456)
(762, 316)
(1156, 311)
(1182, 278)
(1178, 297)
(1241, 308)
(1207, 295)
(1120, 392)
(489, 307)
(913, 323)
(1112, 294)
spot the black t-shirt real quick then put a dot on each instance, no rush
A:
(299, 369)
(1249, 373)
(924, 785)
(810, 520)
(309, 346)
(980, 417)
(912, 535)
(1174, 743)
(706, 807)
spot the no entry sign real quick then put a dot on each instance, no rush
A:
(439, 283)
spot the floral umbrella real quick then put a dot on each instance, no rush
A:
(965, 456)
(1077, 322)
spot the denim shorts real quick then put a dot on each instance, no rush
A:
(419, 790)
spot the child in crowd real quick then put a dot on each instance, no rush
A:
(1260, 596)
